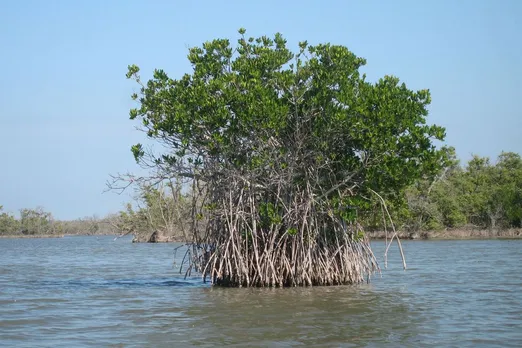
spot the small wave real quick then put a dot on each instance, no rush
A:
(117, 283)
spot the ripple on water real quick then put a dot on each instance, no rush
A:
(99, 292)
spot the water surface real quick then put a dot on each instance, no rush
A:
(98, 292)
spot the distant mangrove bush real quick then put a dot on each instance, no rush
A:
(38, 222)
(160, 213)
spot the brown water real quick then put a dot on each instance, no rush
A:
(94, 291)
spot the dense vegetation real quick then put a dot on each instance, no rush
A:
(38, 222)
(160, 213)
(282, 151)
(479, 195)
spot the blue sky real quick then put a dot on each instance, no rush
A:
(64, 99)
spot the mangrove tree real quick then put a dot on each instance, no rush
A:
(281, 152)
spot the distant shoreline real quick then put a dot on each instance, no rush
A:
(17, 236)
(35, 236)
(457, 234)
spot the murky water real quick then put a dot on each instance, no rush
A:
(94, 291)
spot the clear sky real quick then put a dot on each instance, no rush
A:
(64, 99)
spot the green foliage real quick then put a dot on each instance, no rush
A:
(489, 195)
(315, 104)
(481, 195)
(291, 148)
(9, 225)
(36, 221)
(270, 214)
(162, 209)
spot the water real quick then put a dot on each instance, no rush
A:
(97, 292)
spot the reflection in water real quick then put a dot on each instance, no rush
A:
(314, 316)
(89, 291)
